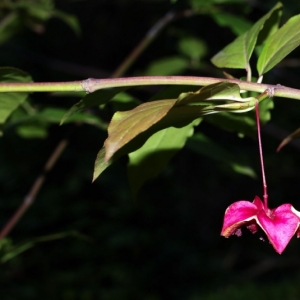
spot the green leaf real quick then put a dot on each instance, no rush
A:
(129, 130)
(9, 251)
(201, 144)
(152, 116)
(279, 45)
(96, 98)
(10, 27)
(243, 124)
(216, 91)
(11, 101)
(236, 23)
(149, 160)
(69, 19)
(32, 131)
(167, 66)
(100, 164)
(237, 54)
(192, 47)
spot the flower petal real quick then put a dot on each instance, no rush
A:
(280, 225)
(236, 215)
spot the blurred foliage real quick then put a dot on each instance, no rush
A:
(166, 245)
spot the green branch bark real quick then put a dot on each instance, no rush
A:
(90, 85)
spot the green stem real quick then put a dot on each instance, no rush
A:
(90, 85)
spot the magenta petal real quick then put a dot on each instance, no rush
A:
(258, 203)
(280, 225)
(237, 214)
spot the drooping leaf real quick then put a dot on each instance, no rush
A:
(290, 137)
(127, 125)
(96, 98)
(216, 91)
(237, 54)
(100, 164)
(279, 45)
(10, 101)
(149, 160)
(243, 124)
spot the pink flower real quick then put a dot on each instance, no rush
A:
(279, 224)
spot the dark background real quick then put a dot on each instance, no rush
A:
(167, 244)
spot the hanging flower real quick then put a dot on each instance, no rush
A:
(279, 224)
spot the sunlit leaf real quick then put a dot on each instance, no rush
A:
(279, 45)
(237, 54)
(217, 91)
(156, 115)
(149, 160)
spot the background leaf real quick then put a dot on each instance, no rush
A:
(96, 98)
(10, 101)
(203, 145)
(237, 24)
(167, 66)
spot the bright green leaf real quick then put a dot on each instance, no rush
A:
(237, 54)
(149, 160)
(279, 45)
(125, 126)
(150, 117)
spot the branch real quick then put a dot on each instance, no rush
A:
(90, 85)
